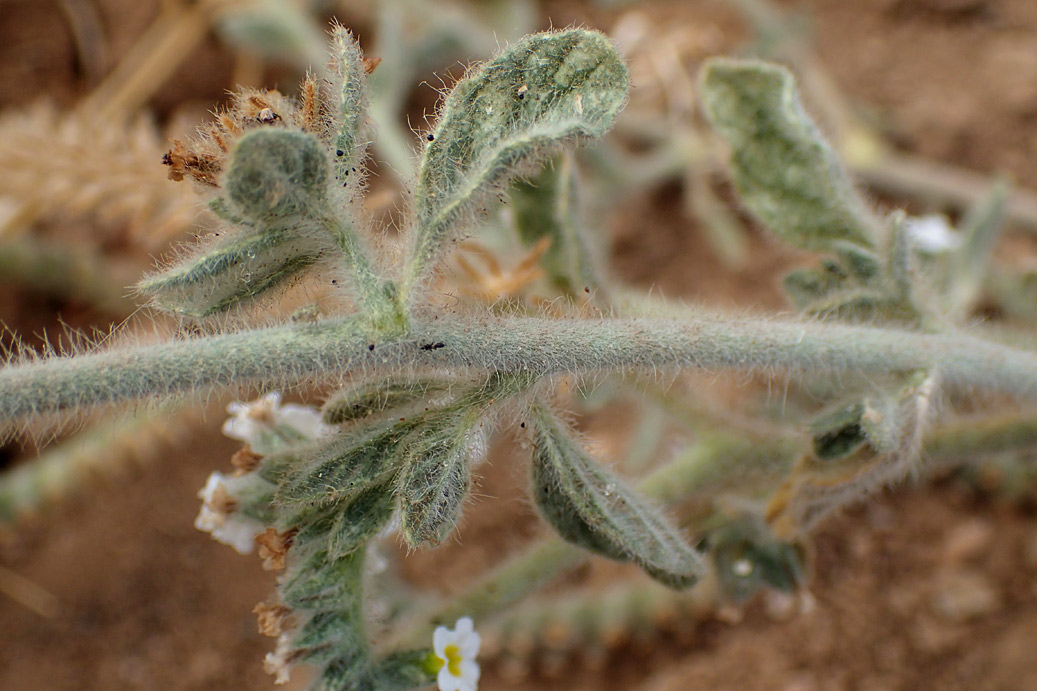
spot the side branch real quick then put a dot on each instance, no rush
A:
(287, 355)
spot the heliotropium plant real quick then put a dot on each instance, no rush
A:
(418, 388)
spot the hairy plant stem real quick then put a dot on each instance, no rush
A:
(377, 296)
(288, 355)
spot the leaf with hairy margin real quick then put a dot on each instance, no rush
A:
(785, 172)
(235, 273)
(435, 480)
(592, 508)
(538, 94)
(346, 464)
(350, 84)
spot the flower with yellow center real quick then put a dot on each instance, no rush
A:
(455, 656)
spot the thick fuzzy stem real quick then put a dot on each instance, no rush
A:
(539, 347)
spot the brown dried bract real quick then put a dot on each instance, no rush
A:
(245, 460)
(371, 64)
(273, 618)
(273, 547)
(203, 167)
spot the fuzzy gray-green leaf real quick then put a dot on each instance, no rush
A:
(435, 481)
(232, 274)
(350, 85)
(319, 582)
(345, 465)
(542, 92)
(373, 397)
(747, 555)
(785, 172)
(546, 207)
(839, 433)
(593, 508)
(361, 520)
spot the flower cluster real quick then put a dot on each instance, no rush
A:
(264, 425)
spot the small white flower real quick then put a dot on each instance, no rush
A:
(456, 651)
(248, 421)
(932, 234)
(218, 518)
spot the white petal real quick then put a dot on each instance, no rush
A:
(237, 407)
(447, 681)
(214, 480)
(469, 675)
(468, 645)
(441, 638)
(304, 420)
(239, 533)
(242, 428)
(464, 626)
(208, 520)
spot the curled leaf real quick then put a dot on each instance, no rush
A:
(785, 172)
(350, 85)
(538, 94)
(371, 398)
(547, 206)
(276, 175)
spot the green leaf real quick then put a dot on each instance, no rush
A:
(980, 230)
(785, 172)
(234, 273)
(839, 433)
(407, 669)
(540, 93)
(360, 521)
(435, 481)
(370, 398)
(809, 286)
(350, 86)
(593, 508)
(318, 582)
(546, 207)
(346, 673)
(346, 464)
(747, 556)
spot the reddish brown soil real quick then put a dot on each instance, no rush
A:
(144, 601)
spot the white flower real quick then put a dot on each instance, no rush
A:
(218, 518)
(248, 421)
(456, 651)
(277, 663)
(932, 234)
